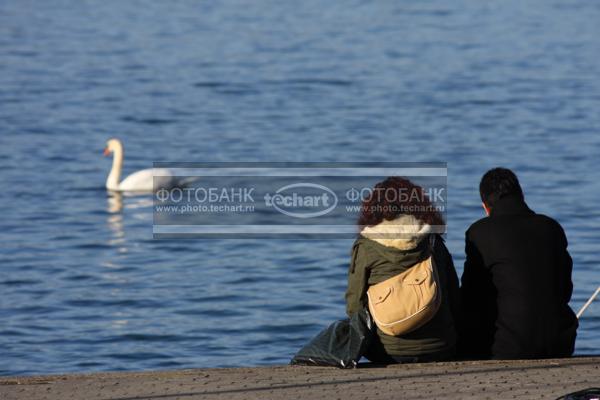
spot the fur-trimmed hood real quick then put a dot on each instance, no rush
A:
(403, 233)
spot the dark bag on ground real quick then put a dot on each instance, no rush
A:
(340, 345)
(587, 394)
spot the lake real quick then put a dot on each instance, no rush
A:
(473, 84)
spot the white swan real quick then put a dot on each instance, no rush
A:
(146, 180)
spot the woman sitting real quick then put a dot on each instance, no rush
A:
(400, 228)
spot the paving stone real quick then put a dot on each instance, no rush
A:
(524, 379)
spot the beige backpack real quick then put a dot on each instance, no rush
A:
(408, 300)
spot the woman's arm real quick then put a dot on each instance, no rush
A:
(452, 288)
(356, 294)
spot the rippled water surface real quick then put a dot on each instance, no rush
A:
(83, 288)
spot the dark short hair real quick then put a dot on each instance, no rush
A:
(498, 183)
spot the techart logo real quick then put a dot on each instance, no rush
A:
(302, 200)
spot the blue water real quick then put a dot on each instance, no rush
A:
(474, 84)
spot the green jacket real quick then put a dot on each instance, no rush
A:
(373, 262)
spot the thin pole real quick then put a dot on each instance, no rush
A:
(587, 303)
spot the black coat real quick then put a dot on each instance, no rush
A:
(516, 286)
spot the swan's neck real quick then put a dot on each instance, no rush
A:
(112, 182)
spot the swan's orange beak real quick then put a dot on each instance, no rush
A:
(106, 152)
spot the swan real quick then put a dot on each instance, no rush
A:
(145, 180)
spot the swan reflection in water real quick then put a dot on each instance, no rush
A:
(117, 202)
(115, 221)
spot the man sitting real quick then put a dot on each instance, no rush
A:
(516, 283)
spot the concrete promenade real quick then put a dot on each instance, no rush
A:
(536, 379)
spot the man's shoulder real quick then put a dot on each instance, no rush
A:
(549, 223)
(486, 224)
(546, 219)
